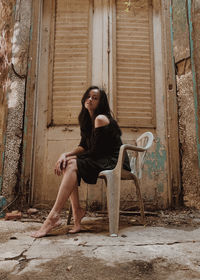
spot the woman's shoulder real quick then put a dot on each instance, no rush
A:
(101, 120)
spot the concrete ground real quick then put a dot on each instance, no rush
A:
(166, 248)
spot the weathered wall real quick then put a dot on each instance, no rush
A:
(15, 98)
(6, 30)
(17, 13)
(186, 104)
(196, 29)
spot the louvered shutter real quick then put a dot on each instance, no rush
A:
(71, 59)
(134, 64)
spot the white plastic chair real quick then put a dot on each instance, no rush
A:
(113, 179)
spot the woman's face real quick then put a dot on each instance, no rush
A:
(92, 100)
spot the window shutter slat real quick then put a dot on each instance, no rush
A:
(71, 59)
(134, 64)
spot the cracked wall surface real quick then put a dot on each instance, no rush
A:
(6, 31)
(196, 28)
(15, 97)
(188, 135)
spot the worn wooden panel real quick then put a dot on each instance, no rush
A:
(71, 59)
(134, 64)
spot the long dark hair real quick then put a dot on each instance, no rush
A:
(103, 108)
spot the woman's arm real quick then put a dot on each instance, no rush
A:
(77, 151)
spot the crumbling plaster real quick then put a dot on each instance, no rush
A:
(187, 133)
(6, 29)
(196, 28)
(15, 98)
(188, 115)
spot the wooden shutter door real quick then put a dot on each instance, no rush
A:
(71, 66)
(134, 64)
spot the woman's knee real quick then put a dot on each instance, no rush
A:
(71, 165)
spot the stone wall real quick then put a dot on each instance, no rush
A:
(6, 31)
(188, 135)
(16, 97)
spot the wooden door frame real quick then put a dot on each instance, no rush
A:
(174, 175)
(30, 122)
(30, 103)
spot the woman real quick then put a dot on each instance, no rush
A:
(98, 150)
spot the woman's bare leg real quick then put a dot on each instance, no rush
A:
(78, 212)
(69, 182)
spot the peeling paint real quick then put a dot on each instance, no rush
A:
(172, 39)
(194, 79)
(31, 33)
(155, 161)
(3, 159)
(25, 124)
(0, 183)
(3, 203)
(160, 187)
(23, 161)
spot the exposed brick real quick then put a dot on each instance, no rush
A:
(15, 215)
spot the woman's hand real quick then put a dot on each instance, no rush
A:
(59, 164)
(62, 162)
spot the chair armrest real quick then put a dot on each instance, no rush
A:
(122, 150)
(132, 147)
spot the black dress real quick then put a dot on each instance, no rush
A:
(101, 152)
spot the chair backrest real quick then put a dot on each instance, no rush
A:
(144, 141)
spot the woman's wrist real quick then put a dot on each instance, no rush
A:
(69, 154)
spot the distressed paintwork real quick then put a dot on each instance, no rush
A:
(181, 47)
(172, 38)
(2, 164)
(156, 160)
(3, 202)
(6, 30)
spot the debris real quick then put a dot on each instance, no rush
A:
(13, 237)
(82, 244)
(136, 213)
(31, 220)
(123, 235)
(15, 212)
(69, 267)
(133, 221)
(75, 239)
(128, 212)
(31, 211)
(14, 215)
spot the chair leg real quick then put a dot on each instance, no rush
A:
(113, 204)
(139, 196)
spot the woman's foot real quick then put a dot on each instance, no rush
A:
(77, 221)
(50, 223)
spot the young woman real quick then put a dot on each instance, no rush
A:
(98, 150)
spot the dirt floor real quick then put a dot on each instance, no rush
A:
(75, 264)
(84, 268)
